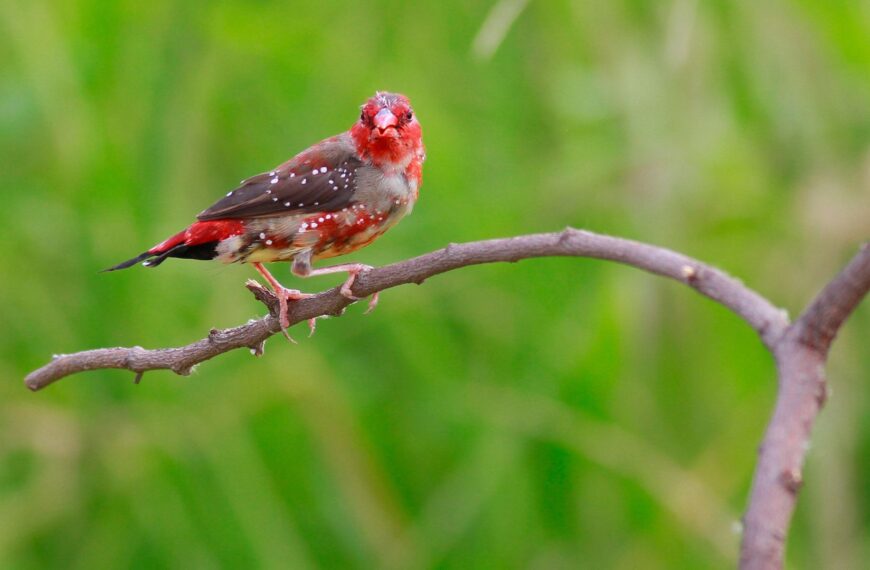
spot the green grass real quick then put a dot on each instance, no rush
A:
(546, 414)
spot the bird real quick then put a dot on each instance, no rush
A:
(331, 199)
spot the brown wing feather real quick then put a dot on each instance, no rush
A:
(298, 186)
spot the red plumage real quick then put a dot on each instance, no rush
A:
(199, 233)
(331, 199)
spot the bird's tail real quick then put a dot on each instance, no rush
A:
(131, 262)
(199, 241)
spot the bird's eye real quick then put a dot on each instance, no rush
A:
(362, 116)
(409, 115)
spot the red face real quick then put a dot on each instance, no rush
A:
(387, 130)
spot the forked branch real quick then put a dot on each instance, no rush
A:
(800, 349)
(801, 356)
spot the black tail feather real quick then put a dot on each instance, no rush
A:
(130, 262)
(204, 251)
(199, 251)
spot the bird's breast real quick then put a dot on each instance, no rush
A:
(353, 228)
(383, 189)
(380, 201)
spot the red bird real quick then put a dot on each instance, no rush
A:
(329, 200)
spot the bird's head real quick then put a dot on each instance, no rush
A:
(387, 131)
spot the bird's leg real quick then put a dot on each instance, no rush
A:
(302, 268)
(284, 295)
(352, 269)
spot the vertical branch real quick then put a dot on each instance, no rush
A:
(801, 355)
(778, 475)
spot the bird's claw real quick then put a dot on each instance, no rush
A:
(347, 285)
(347, 293)
(373, 302)
(285, 295)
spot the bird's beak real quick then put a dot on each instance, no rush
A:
(384, 120)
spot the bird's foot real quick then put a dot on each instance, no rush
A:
(353, 270)
(284, 295)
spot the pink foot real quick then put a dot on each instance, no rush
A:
(373, 302)
(352, 272)
(285, 295)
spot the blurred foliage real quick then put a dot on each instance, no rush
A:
(550, 414)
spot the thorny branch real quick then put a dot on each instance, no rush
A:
(800, 349)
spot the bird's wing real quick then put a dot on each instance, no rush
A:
(310, 182)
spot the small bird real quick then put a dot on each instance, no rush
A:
(329, 200)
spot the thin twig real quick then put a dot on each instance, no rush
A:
(819, 323)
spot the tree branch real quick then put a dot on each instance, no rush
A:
(767, 320)
(800, 349)
(801, 356)
(819, 323)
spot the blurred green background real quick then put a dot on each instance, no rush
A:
(550, 414)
